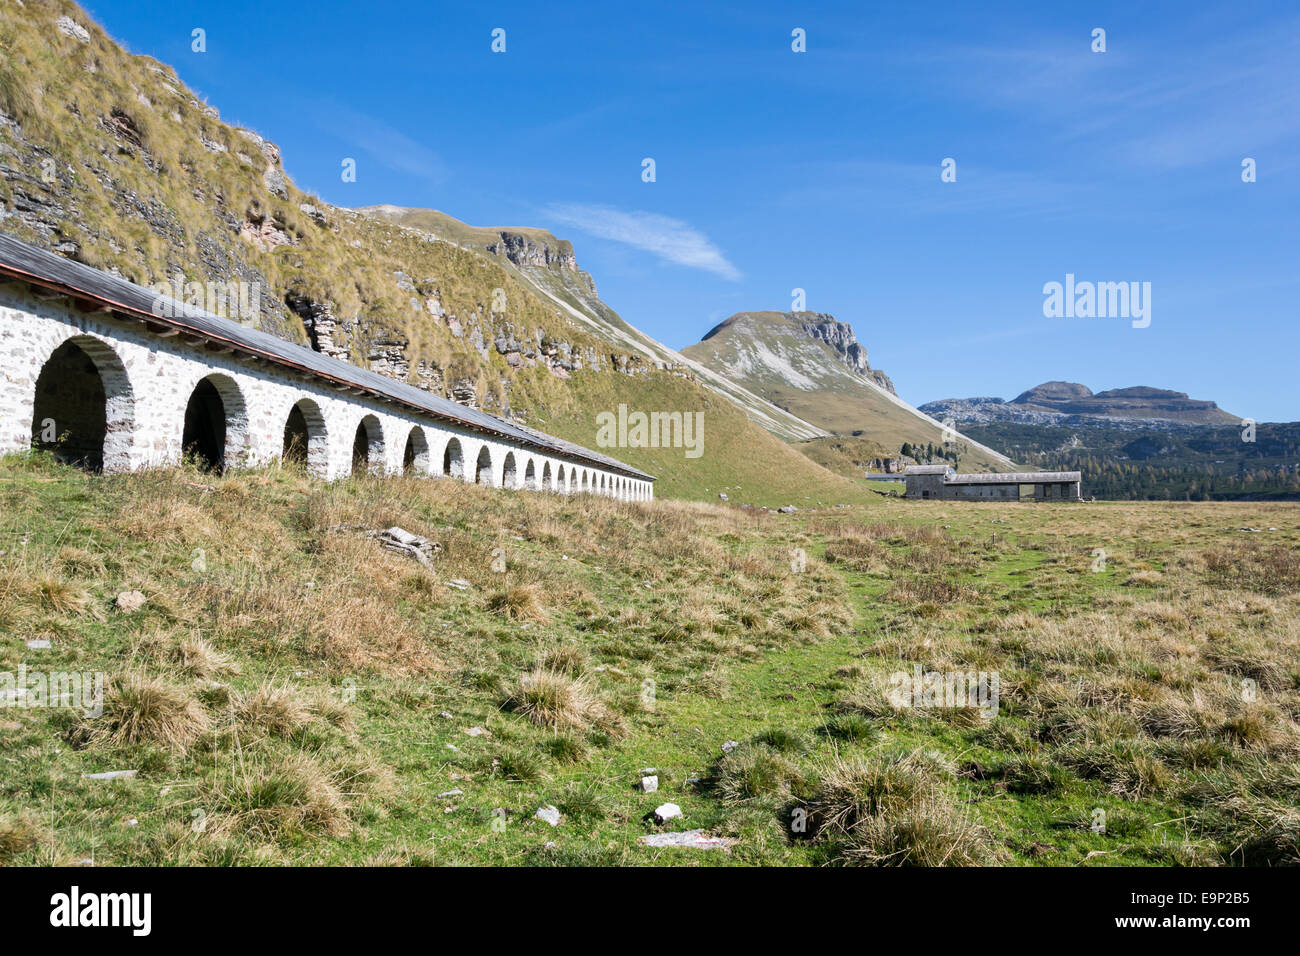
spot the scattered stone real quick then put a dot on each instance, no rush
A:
(457, 792)
(647, 771)
(129, 601)
(729, 746)
(722, 495)
(453, 747)
(649, 784)
(476, 731)
(787, 510)
(694, 839)
(548, 814)
(41, 644)
(667, 811)
(411, 545)
(460, 584)
(445, 715)
(110, 775)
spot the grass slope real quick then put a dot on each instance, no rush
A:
(290, 692)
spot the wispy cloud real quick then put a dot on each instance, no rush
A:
(386, 145)
(672, 240)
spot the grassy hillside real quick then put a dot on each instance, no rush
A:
(769, 354)
(737, 458)
(290, 692)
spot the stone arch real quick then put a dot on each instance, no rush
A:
(368, 446)
(530, 475)
(215, 429)
(548, 477)
(305, 437)
(510, 471)
(453, 460)
(415, 457)
(483, 467)
(83, 408)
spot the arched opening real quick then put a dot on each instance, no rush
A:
(453, 462)
(483, 467)
(548, 483)
(530, 475)
(601, 487)
(586, 485)
(415, 458)
(216, 424)
(368, 446)
(509, 472)
(304, 437)
(560, 485)
(83, 409)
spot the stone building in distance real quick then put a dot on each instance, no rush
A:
(940, 481)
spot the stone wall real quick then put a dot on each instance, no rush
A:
(148, 380)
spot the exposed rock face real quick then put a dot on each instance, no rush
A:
(840, 337)
(524, 251)
(325, 331)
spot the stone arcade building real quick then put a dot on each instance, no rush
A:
(93, 368)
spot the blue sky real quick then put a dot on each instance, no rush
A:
(820, 170)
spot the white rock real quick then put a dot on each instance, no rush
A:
(460, 584)
(548, 814)
(457, 792)
(39, 645)
(110, 775)
(695, 839)
(649, 784)
(129, 601)
(667, 811)
(729, 746)
(476, 731)
(70, 27)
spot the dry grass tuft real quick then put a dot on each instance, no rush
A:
(139, 708)
(274, 709)
(520, 602)
(559, 701)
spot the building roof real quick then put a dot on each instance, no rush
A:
(927, 470)
(1014, 478)
(102, 291)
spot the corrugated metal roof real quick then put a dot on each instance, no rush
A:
(927, 470)
(1014, 478)
(39, 267)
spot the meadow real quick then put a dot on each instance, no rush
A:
(290, 692)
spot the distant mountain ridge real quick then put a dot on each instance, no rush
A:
(1059, 402)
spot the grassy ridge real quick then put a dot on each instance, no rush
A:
(291, 692)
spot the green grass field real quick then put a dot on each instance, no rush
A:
(289, 692)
